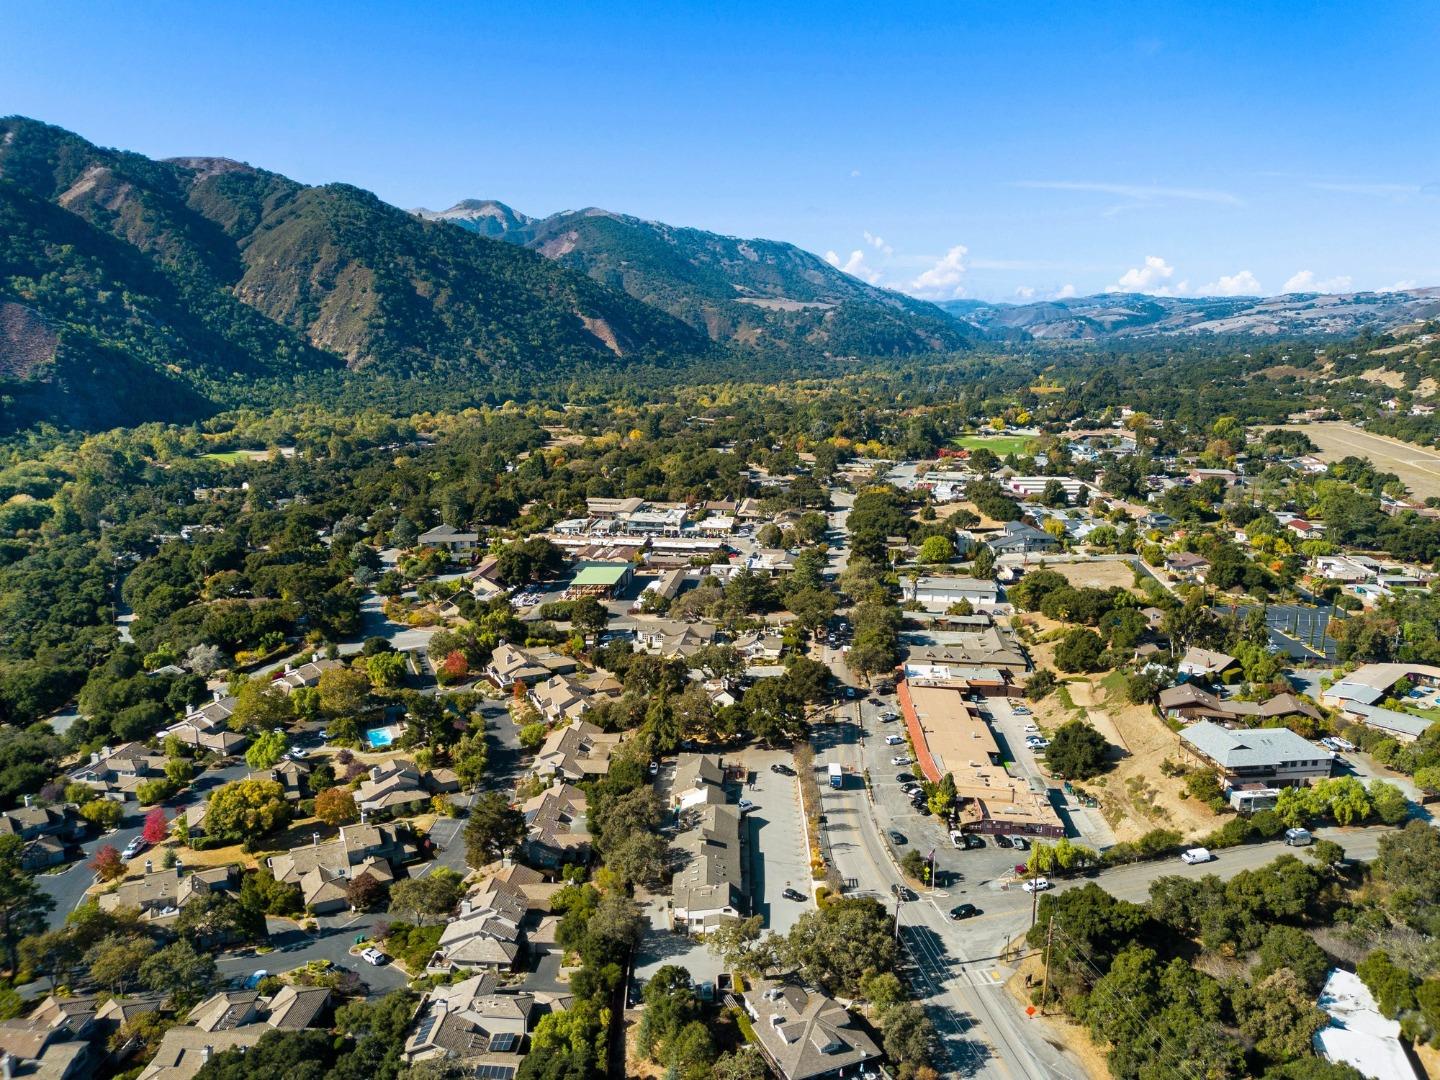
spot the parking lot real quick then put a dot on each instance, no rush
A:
(779, 854)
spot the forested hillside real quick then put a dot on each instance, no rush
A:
(135, 289)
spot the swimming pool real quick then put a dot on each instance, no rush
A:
(380, 736)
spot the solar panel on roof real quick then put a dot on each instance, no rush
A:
(426, 1026)
(495, 1072)
(504, 1043)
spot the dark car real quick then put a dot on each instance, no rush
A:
(793, 894)
(782, 769)
(1001, 840)
(904, 778)
(964, 911)
(903, 894)
(897, 837)
(973, 841)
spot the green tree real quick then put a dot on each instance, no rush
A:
(427, 898)
(179, 970)
(115, 962)
(1077, 751)
(247, 808)
(909, 1036)
(1081, 649)
(22, 905)
(493, 829)
(267, 748)
(336, 806)
(842, 943)
(260, 706)
(937, 549)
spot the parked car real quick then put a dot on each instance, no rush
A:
(1001, 840)
(912, 790)
(1038, 884)
(894, 740)
(973, 841)
(900, 759)
(135, 847)
(1020, 843)
(1196, 855)
(849, 691)
(1032, 729)
(904, 778)
(745, 806)
(1020, 710)
(897, 837)
(964, 911)
(783, 769)
(903, 894)
(1021, 869)
(1298, 837)
(889, 717)
(793, 894)
(1037, 743)
(298, 752)
(373, 956)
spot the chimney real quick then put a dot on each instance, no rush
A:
(314, 839)
(27, 802)
(219, 692)
(465, 907)
(362, 817)
(149, 867)
(205, 1052)
(7, 1065)
(179, 867)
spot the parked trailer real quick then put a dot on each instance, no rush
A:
(837, 775)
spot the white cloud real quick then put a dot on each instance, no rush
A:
(1399, 286)
(1240, 284)
(878, 243)
(854, 266)
(943, 280)
(1142, 192)
(854, 173)
(1065, 292)
(1147, 278)
(1305, 281)
(1025, 292)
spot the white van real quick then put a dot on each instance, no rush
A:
(1196, 855)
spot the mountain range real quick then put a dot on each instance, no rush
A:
(739, 291)
(134, 289)
(1119, 315)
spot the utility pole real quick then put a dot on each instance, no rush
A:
(899, 899)
(1045, 985)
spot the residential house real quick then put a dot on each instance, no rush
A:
(1187, 564)
(1226, 477)
(489, 932)
(307, 674)
(699, 779)
(555, 829)
(30, 822)
(1018, 538)
(710, 886)
(1188, 702)
(449, 538)
(560, 698)
(40, 1047)
(771, 561)
(394, 787)
(185, 1049)
(320, 868)
(293, 776)
(1359, 1034)
(160, 895)
(758, 647)
(474, 1025)
(510, 664)
(1305, 530)
(1276, 756)
(1206, 664)
(115, 772)
(805, 1035)
(233, 1019)
(670, 638)
(576, 752)
(1369, 684)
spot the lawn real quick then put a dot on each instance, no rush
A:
(1000, 445)
(230, 457)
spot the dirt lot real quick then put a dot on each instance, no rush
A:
(1417, 467)
(1135, 796)
(1096, 575)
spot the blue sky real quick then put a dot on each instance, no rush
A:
(992, 150)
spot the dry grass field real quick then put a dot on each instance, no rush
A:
(1416, 466)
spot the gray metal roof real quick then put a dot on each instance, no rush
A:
(1250, 748)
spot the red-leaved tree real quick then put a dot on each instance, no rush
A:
(107, 863)
(157, 827)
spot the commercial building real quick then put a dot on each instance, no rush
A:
(1276, 756)
(940, 593)
(599, 579)
(709, 887)
(950, 736)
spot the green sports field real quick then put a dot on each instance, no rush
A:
(231, 457)
(999, 445)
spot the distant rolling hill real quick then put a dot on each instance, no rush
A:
(1110, 315)
(748, 292)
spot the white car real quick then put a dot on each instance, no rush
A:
(1037, 744)
(373, 956)
(298, 752)
(911, 790)
(894, 740)
(746, 806)
(1195, 855)
(135, 847)
(900, 759)
(1032, 729)
(1038, 884)
(1020, 710)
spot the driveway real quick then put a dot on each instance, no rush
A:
(779, 853)
(331, 941)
